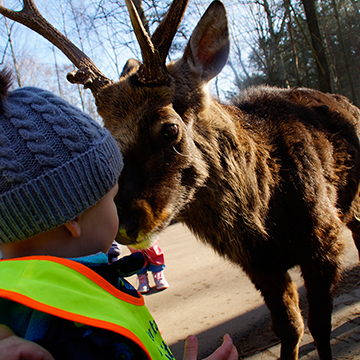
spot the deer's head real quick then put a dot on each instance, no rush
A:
(153, 112)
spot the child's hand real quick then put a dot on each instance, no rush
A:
(13, 347)
(227, 351)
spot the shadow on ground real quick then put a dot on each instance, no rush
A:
(259, 336)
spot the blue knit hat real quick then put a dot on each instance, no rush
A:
(55, 162)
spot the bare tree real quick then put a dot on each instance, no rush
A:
(318, 46)
(275, 37)
(294, 53)
(13, 55)
(271, 42)
(344, 50)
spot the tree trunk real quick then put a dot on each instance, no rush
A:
(239, 57)
(345, 52)
(318, 46)
(275, 49)
(356, 8)
(81, 97)
(335, 79)
(294, 53)
(16, 67)
(57, 72)
(237, 78)
(352, 39)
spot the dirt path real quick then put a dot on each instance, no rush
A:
(209, 297)
(260, 343)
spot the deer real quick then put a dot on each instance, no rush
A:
(268, 181)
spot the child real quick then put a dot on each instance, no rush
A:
(154, 262)
(58, 180)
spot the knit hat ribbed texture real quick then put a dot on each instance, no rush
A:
(55, 162)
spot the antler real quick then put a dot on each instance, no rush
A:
(166, 30)
(87, 74)
(155, 50)
(152, 70)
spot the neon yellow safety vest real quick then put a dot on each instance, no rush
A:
(70, 290)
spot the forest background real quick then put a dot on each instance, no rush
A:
(287, 43)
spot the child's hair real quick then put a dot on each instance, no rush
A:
(55, 161)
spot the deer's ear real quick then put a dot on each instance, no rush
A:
(208, 48)
(131, 66)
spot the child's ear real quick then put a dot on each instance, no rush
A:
(74, 227)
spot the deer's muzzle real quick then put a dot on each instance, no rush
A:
(134, 238)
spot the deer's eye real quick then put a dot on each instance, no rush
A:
(171, 131)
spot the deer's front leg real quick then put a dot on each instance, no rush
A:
(281, 296)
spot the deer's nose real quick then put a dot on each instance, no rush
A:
(128, 233)
(132, 230)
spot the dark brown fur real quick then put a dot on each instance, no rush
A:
(269, 182)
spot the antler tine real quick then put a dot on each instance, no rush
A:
(166, 30)
(87, 74)
(153, 69)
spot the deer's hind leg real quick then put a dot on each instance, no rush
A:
(320, 281)
(281, 297)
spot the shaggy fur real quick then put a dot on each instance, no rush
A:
(269, 182)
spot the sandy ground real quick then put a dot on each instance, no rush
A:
(208, 297)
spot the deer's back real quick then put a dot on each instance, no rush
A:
(309, 130)
(297, 182)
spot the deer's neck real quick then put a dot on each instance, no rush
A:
(240, 182)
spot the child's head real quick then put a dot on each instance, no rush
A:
(55, 163)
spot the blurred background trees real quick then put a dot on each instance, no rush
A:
(312, 43)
